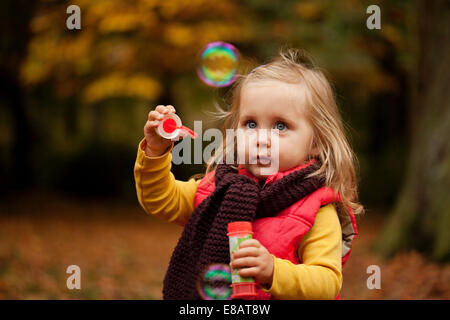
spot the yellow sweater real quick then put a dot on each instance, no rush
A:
(318, 276)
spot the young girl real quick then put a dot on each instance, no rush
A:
(302, 214)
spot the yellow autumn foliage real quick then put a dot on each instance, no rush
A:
(120, 85)
(170, 9)
(309, 10)
(179, 35)
(50, 51)
(393, 35)
(122, 44)
(126, 21)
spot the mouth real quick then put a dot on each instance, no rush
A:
(261, 160)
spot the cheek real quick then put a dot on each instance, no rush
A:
(293, 150)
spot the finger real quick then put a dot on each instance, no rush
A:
(160, 108)
(246, 252)
(149, 126)
(250, 243)
(244, 262)
(164, 110)
(249, 272)
(171, 109)
(154, 123)
(154, 115)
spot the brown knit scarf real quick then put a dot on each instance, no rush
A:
(236, 197)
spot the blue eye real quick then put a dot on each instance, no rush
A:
(250, 124)
(281, 126)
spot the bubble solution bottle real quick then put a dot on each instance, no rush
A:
(243, 287)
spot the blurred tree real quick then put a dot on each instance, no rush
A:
(421, 217)
(15, 35)
(134, 50)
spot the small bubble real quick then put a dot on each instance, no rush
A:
(214, 283)
(218, 64)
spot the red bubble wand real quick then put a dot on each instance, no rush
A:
(172, 128)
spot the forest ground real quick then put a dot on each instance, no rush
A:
(123, 254)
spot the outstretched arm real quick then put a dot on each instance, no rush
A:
(158, 192)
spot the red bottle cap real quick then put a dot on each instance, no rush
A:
(243, 227)
(244, 290)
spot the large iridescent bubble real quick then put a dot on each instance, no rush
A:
(214, 282)
(218, 64)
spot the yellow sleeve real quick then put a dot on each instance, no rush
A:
(319, 274)
(157, 190)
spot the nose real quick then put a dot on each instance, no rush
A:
(263, 139)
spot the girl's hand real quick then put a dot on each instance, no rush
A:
(156, 145)
(255, 261)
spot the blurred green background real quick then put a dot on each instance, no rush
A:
(74, 102)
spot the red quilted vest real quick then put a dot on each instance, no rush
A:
(282, 234)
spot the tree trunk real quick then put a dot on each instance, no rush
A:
(15, 32)
(421, 216)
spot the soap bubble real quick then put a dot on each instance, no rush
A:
(218, 64)
(215, 282)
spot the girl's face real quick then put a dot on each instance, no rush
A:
(274, 105)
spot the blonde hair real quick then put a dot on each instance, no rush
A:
(293, 66)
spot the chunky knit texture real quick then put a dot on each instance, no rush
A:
(236, 197)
